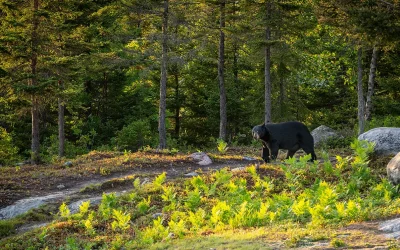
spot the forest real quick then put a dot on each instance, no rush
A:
(123, 75)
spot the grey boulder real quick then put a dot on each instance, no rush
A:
(323, 133)
(387, 140)
(393, 170)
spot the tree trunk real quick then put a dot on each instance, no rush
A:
(163, 82)
(360, 94)
(371, 83)
(35, 146)
(267, 69)
(221, 65)
(177, 104)
(61, 122)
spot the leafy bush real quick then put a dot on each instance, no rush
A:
(8, 152)
(64, 210)
(121, 220)
(332, 143)
(386, 121)
(134, 136)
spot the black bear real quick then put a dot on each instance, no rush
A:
(286, 135)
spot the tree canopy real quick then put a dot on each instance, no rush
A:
(124, 75)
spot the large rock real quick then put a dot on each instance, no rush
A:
(323, 133)
(201, 158)
(387, 140)
(393, 170)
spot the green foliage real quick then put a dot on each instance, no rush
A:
(332, 143)
(337, 243)
(64, 210)
(169, 196)
(84, 207)
(8, 152)
(121, 220)
(88, 224)
(159, 180)
(156, 232)
(314, 195)
(193, 200)
(143, 206)
(220, 214)
(385, 121)
(7, 227)
(108, 202)
(134, 136)
(222, 146)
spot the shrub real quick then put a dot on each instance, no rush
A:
(134, 136)
(64, 210)
(8, 152)
(222, 146)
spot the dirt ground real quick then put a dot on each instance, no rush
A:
(97, 167)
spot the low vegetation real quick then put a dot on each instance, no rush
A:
(236, 208)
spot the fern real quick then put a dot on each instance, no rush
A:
(159, 180)
(169, 196)
(222, 146)
(220, 213)
(178, 228)
(64, 210)
(197, 219)
(301, 208)
(121, 220)
(84, 207)
(193, 199)
(108, 202)
(198, 183)
(143, 206)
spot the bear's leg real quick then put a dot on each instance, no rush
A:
(265, 154)
(309, 150)
(292, 151)
(274, 151)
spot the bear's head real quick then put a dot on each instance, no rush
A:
(260, 132)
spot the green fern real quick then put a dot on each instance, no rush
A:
(143, 206)
(84, 207)
(159, 180)
(64, 210)
(121, 220)
(222, 146)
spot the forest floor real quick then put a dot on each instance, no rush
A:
(102, 167)
(99, 172)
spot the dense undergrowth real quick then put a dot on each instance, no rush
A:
(310, 194)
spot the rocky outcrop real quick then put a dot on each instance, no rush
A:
(393, 170)
(322, 134)
(387, 140)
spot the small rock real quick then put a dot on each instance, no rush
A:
(393, 170)
(238, 169)
(68, 164)
(61, 186)
(247, 158)
(145, 181)
(191, 174)
(156, 215)
(202, 158)
(171, 235)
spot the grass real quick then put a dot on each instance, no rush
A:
(294, 204)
